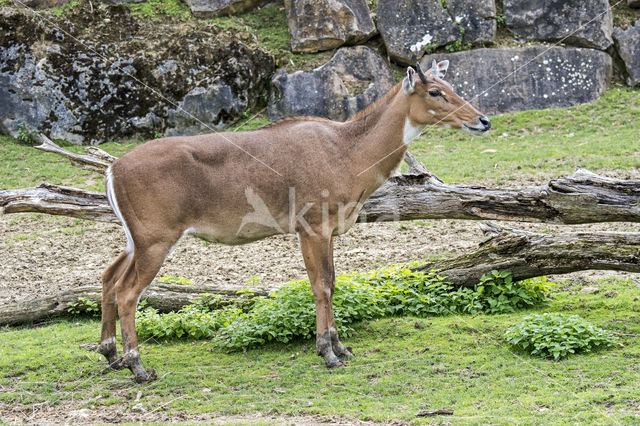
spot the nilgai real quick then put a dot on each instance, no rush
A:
(303, 175)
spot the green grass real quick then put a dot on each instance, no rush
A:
(403, 365)
(156, 9)
(603, 135)
(24, 166)
(267, 25)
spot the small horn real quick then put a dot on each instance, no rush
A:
(423, 77)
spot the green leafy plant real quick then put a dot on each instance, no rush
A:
(499, 294)
(196, 321)
(556, 336)
(289, 313)
(25, 136)
(84, 306)
(457, 46)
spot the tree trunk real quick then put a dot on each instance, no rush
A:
(524, 254)
(162, 296)
(582, 198)
(528, 254)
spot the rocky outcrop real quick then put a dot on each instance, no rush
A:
(40, 4)
(213, 8)
(408, 27)
(476, 17)
(120, 80)
(535, 77)
(317, 25)
(586, 23)
(628, 46)
(351, 80)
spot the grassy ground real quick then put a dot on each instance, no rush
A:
(404, 365)
(601, 136)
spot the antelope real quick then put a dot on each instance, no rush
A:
(303, 175)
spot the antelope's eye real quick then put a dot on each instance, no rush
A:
(435, 92)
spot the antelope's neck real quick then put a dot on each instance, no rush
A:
(382, 143)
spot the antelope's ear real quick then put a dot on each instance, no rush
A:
(409, 82)
(439, 69)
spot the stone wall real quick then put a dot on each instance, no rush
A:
(120, 79)
(101, 74)
(553, 53)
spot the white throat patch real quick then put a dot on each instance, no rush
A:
(410, 131)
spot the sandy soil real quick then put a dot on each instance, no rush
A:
(42, 255)
(69, 412)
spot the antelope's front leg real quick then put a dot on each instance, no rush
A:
(338, 348)
(318, 259)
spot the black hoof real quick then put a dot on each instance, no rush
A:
(344, 353)
(118, 364)
(333, 363)
(146, 376)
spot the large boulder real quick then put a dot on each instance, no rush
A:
(213, 8)
(122, 1)
(123, 79)
(40, 4)
(633, 3)
(317, 25)
(586, 23)
(354, 78)
(628, 45)
(516, 79)
(408, 27)
(476, 17)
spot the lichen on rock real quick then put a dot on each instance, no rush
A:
(101, 74)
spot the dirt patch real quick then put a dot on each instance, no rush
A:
(43, 255)
(72, 412)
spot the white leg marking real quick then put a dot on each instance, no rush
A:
(109, 341)
(111, 197)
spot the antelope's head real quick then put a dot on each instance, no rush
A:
(433, 101)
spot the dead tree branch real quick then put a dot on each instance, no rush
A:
(57, 200)
(584, 197)
(162, 296)
(95, 159)
(528, 254)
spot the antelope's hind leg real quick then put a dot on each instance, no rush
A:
(110, 276)
(139, 273)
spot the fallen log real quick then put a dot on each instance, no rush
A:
(584, 197)
(57, 200)
(524, 254)
(162, 296)
(529, 254)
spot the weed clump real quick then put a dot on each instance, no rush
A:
(289, 313)
(556, 336)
